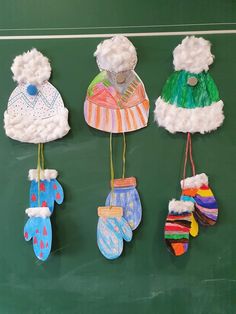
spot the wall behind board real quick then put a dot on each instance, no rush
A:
(146, 278)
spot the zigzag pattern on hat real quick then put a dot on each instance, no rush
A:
(32, 104)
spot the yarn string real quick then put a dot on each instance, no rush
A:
(38, 172)
(112, 170)
(40, 166)
(42, 157)
(124, 156)
(188, 151)
(191, 155)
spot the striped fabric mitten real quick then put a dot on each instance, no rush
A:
(126, 196)
(177, 226)
(197, 190)
(112, 229)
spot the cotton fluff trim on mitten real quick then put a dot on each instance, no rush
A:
(116, 54)
(38, 212)
(179, 207)
(46, 174)
(194, 182)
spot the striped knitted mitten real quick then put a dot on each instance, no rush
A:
(177, 226)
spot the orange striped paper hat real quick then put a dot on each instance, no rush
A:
(116, 100)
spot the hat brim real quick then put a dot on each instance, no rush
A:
(192, 120)
(31, 130)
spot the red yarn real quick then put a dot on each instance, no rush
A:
(188, 150)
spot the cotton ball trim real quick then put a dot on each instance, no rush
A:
(42, 212)
(193, 55)
(194, 182)
(177, 119)
(30, 130)
(46, 174)
(32, 67)
(116, 54)
(179, 207)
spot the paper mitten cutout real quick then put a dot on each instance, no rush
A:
(42, 198)
(177, 226)
(35, 112)
(126, 196)
(112, 229)
(40, 231)
(196, 189)
(116, 100)
(190, 100)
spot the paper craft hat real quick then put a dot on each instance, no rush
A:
(107, 109)
(190, 100)
(35, 112)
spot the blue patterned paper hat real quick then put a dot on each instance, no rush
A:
(35, 112)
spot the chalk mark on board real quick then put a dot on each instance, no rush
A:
(219, 279)
(152, 295)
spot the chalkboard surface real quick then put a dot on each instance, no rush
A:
(146, 279)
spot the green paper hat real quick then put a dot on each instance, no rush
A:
(190, 100)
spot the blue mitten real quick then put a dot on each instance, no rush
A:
(42, 198)
(126, 196)
(112, 228)
(40, 231)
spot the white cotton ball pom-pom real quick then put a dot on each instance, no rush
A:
(193, 55)
(116, 54)
(32, 67)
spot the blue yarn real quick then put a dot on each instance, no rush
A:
(32, 90)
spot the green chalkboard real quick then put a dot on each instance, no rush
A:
(146, 278)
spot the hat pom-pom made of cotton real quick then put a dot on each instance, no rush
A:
(32, 67)
(116, 54)
(193, 55)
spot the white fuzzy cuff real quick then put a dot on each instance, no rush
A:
(180, 206)
(46, 174)
(178, 119)
(31, 130)
(194, 182)
(43, 212)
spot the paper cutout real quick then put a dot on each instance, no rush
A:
(126, 196)
(36, 114)
(177, 226)
(116, 102)
(190, 103)
(111, 231)
(206, 208)
(194, 227)
(190, 100)
(107, 109)
(39, 230)
(43, 195)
